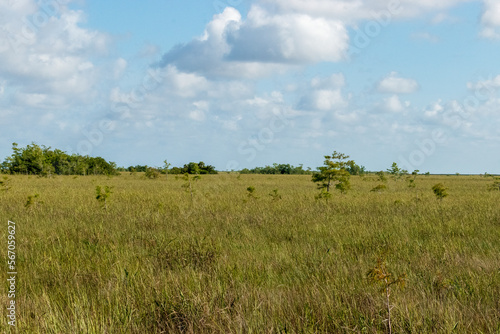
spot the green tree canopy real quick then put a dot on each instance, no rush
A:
(276, 169)
(42, 160)
(334, 172)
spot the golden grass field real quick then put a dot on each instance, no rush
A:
(160, 261)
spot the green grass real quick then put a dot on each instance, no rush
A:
(156, 261)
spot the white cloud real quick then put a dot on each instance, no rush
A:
(199, 113)
(464, 123)
(184, 84)
(324, 94)
(263, 44)
(396, 85)
(486, 86)
(44, 53)
(434, 110)
(491, 19)
(257, 101)
(277, 34)
(157, 85)
(207, 54)
(355, 10)
(290, 38)
(490, 33)
(176, 95)
(491, 14)
(394, 104)
(324, 100)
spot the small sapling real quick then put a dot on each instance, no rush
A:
(379, 274)
(102, 195)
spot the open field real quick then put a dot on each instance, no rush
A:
(160, 261)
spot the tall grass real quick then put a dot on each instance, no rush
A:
(156, 261)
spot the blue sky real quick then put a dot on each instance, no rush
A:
(245, 83)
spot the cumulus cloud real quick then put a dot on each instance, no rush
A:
(207, 54)
(169, 93)
(323, 100)
(394, 104)
(44, 52)
(486, 86)
(396, 85)
(261, 44)
(277, 34)
(199, 111)
(291, 38)
(491, 14)
(461, 121)
(491, 19)
(204, 53)
(184, 84)
(434, 109)
(324, 94)
(157, 86)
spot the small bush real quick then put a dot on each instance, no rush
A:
(152, 173)
(33, 200)
(379, 188)
(103, 195)
(440, 191)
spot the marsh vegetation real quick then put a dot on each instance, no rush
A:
(229, 259)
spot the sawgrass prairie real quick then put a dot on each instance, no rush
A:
(163, 257)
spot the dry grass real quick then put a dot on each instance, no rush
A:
(157, 262)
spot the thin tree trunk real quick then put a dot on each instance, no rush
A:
(191, 191)
(388, 293)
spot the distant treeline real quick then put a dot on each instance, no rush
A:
(277, 169)
(353, 169)
(190, 168)
(42, 160)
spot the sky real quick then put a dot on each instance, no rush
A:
(245, 83)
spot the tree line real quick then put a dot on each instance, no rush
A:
(44, 161)
(351, 167)
(190, 168)
(277, 169)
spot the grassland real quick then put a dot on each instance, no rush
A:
(156, 261)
